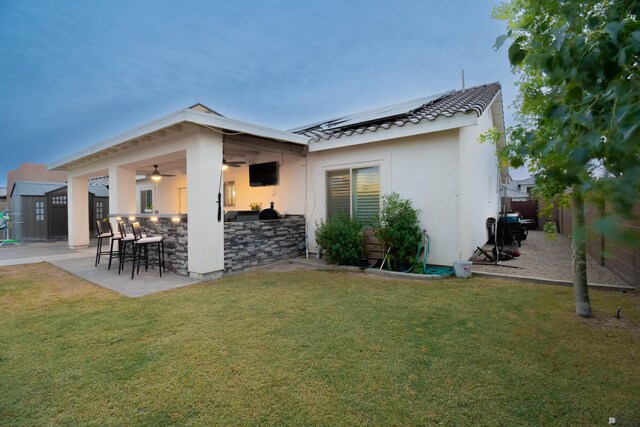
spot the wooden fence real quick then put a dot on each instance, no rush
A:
(623, 259)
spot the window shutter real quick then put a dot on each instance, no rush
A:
(366, 194)
(338, 193)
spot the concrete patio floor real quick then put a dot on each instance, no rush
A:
(28, 253)
(80, 263)
(145, 283)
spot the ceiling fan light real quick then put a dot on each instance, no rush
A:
(155, 175)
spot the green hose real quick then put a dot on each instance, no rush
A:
(431, 269)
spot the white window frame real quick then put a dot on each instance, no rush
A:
(141, 208)
(351, 169)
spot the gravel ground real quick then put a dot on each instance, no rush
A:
(543, 258)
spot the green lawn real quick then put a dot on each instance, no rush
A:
(313, 348)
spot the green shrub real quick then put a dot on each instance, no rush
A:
(341, 240)
(398, 227)
(550, 230)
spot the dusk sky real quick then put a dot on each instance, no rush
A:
(76, 73)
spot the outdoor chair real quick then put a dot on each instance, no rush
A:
(141, 250)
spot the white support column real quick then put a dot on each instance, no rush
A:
(206, 234)
(122, 192)
(78, 211)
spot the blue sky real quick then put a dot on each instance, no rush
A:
(77, 72)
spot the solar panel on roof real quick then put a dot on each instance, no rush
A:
(379, 113)
(387, 111)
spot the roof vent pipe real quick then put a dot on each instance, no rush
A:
(463, 79)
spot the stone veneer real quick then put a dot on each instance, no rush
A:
(251, 243)
(175, 241)
(246, 244)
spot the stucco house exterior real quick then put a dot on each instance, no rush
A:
(426, 150)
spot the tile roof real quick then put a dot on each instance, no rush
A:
(467, 101)
(514, 194)
(99, 180)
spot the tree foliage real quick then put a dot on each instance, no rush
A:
(398, 227)
(579, 86)
(577, 106)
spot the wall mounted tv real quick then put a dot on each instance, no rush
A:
(263, 174)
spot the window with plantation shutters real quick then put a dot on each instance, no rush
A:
(339, 193)
(366, 194)
(354, 192)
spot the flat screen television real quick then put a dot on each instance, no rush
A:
(263, 174)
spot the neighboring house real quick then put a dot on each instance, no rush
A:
(39, 210)
(514, 194)
(34, 172)
(522, 186)
(427, 150)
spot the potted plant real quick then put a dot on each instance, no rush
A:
(255, 206)
(148, 209)
(398, 228)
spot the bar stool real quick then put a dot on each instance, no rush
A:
(114, 238)
(102, 234)
(141, 244)
(125, 239)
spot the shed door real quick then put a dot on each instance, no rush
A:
(35, 218)
(58, 224)
(99, 211)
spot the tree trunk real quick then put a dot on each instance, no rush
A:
(578, 244)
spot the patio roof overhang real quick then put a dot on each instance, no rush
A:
(177, 123)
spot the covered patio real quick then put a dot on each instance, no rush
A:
(202, 160)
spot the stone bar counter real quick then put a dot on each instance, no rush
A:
(252, 243)
(173, 228)
(246, 244)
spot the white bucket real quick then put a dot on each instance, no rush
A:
(462, 269)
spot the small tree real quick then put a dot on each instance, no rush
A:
(579, 84)
(398, 227)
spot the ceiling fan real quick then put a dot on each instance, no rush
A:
(156, 175)
(233, 164)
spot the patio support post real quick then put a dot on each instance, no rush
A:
(122, 192)
(78, 211)
(205, 234)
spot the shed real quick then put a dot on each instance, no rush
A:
(39, 210)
